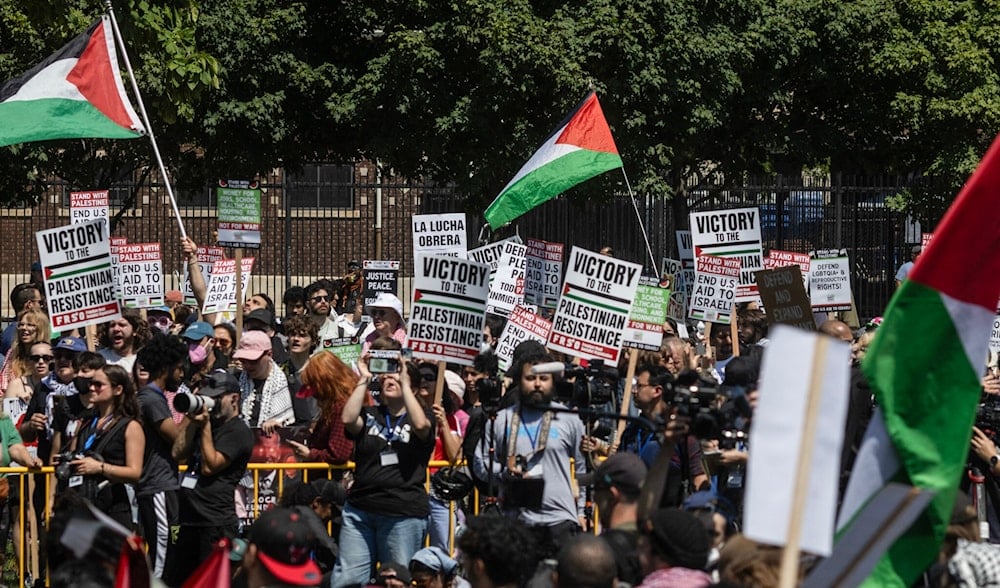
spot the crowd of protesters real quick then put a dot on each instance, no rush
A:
(558, 492)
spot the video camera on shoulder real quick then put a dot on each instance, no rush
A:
(988, 415)
(593, 385)
(720, 413)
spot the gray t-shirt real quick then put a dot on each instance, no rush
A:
(159, 469)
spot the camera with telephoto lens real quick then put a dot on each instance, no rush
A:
(988, 415)
(189, 403)
(720, 413)
(63, 468)
(383, 361)
(593, 385)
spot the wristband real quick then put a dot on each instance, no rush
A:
(102, 468)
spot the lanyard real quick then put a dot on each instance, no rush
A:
(532, 438)
(390, 429)
(94, 428)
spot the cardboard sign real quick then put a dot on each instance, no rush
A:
(379, 276)
(79, 283)
(673, 270)
(449, 308)
(731, 233)
(791, 414)
(141, 275)
(506, 258)
(522, 325)
(830, 280)
(85, 206)
(543, 273)
(785, 297)
(116, 269)
(649, 311)
(594, 306)
(439, 234)
(239, 215)
(714, 293)
(221, 296)
(206, 257)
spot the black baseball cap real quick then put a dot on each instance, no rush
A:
(622, 470)
(285, 543)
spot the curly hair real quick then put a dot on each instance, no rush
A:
(505, 546)
(141, 334)
(301, 324)
(20, 363)
(162, 353)
(331, 380)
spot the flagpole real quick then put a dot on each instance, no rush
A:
(638, 217)
(145, 117)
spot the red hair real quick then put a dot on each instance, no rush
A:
(330, 379)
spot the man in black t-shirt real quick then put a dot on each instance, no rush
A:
(216, 445)
(156, 493)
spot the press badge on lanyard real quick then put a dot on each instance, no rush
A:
(389, 457)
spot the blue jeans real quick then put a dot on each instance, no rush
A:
(439, 521)
(366, 538)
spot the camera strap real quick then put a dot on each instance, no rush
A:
(537, 444)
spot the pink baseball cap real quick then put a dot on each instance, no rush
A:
(253, 344)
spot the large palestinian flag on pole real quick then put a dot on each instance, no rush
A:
(925, 366)
(579, 149)
(75, 93)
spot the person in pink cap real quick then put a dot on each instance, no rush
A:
(264, 397)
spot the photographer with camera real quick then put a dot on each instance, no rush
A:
(107, 452)
(652, 384)
(216, 445)
(533, 452)
(385, 517)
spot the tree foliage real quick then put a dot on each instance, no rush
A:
(464, 92)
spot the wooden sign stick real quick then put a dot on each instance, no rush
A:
(633, 359)
(790, 554)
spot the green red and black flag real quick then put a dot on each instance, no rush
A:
(77, 92)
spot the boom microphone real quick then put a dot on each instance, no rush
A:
(552, 367)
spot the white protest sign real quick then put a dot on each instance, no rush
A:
(506, 258)
(925, 241)
(779, 434)
(593, 309)
(995, 335)
(522, 325)
(543, 273)
(685, 252)
(116, 269)
(649, 312)
(731, 233)
(714, 293)
(221, 295)
(141, 275)
(439, 234)
(239, 214)
(206, 257)
(830, 280)
(449, 308)
(79, 282)
(85, 206)
(379, 276)
(777, 258)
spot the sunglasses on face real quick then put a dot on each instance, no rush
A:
(45, 358)
(378, 312)
(318, 299)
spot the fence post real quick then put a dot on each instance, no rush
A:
(838, 211)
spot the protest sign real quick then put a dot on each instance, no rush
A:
(239, 215)
(543, 273)
(269, 448)
(506, 259)
(785, 297)
(777, 258)
(85, 206)
(714, 293)
(674, 271)
(803, 376)
(685, 253)
(79, 283)
(141, 275)
(829, 280)
(995, 335)
(347, 349)
(221, 295)
(449, 308)
(593, 309)
(649, 311)
(439, 234)
(116, 269)
(379, 276)
(735, 234)
(925, 240)
(207, 256)
(522, 325)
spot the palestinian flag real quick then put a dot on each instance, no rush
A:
(579, 149)
(925, 366)
(76, 93)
